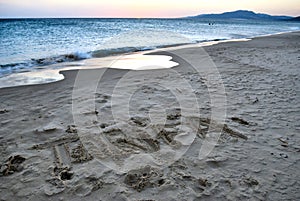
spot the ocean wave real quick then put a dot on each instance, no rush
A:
(16, 67)
(123, 50)
(116, 51)
(62, 58)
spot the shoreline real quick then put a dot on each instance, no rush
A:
(52, 74)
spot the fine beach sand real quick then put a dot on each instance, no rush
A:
(49, 135)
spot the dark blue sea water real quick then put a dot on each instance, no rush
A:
(26, 43)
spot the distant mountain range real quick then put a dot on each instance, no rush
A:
(244, 14)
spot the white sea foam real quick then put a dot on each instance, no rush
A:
(82, 55)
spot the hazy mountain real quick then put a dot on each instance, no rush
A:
(241, 14)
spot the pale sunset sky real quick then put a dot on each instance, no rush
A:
(141, 8)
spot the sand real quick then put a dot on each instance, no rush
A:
(136, 135)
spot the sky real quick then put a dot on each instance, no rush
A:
(141, 8)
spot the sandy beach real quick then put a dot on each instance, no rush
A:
(112, 134)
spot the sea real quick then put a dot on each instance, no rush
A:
(30, 43)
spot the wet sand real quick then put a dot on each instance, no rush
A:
(72, 140)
